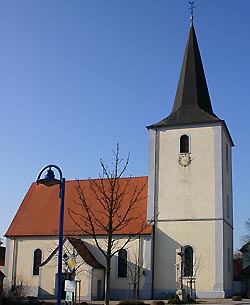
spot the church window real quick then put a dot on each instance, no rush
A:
(184, 144)
(122, 263)
(37, 259)
(188, 261)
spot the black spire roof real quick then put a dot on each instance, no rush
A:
(192, 102)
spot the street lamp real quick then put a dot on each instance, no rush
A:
(50, 180)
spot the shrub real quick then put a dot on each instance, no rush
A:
(175, 300)
(20, 290)
(237, 298)
(158, 303)
(131, 302)
(190, 300)
(15, 294)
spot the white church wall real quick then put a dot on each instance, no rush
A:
(20, 261)
(98, 284)
(228, 262)
(224, 211)
(228, 213)
(44, 284)
(191, 206)
(170, 238)
(121, 287)
(46, 281)
(48, 278)
(8, 262)
(178, 184)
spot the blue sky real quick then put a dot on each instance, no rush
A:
(78, 76)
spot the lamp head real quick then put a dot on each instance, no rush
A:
(49, 179)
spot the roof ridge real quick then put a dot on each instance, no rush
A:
(132, 177)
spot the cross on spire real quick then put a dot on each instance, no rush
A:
(192, 10)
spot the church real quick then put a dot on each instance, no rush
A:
(188, 193)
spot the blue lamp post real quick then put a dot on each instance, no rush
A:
(50, 180)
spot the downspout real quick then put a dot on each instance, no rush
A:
(14, 263)
(139, 268)
(92, 283)
(153, 265)
(103, 288)
(155, 200)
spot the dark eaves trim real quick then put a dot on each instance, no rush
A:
(187, 125)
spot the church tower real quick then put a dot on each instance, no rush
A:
(190, 190)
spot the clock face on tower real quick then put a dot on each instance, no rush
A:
(184, 160)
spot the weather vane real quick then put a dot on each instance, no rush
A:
(192, 10)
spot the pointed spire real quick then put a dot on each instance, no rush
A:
(192, 88)
(192, 102)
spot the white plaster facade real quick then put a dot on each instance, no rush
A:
(194, 207)
(19, 266)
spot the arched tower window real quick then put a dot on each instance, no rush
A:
(188, 261)
(184, 144)
(122, 263)
(37, 259)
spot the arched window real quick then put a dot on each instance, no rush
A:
(184, 144)
(37, 259)
(122, 263)
(188, 261)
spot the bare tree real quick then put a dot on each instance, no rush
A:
(136, 273)
(191, 275)
(21, 289)
(68, 252)
(187, 268)
(117, 210)
(246, 238)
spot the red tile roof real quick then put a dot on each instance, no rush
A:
(38, 215)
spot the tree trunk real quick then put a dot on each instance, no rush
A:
(107, 280)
